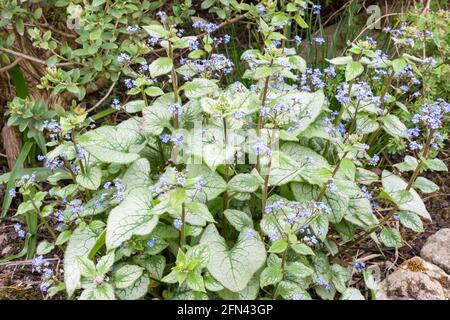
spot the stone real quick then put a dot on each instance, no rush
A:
(437, 249)
(415, 279)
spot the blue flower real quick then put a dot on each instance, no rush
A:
(115, 104)
(413, 145)
(12, 192)
(181, 181)
(165, 137)
(132, 28)
(316, 8)
(261, 9)
(152, 242)
(199, 185)
(177, 139)
(375, 159)
(359, 266)
(123, 57)
(178, 223)
(274, 236)
(319, 40)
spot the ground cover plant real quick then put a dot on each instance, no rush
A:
(219, 149)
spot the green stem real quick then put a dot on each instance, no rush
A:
(174, 85)
(183, 231)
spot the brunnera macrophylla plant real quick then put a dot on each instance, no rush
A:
(213, 191)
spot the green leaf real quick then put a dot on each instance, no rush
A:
(234, 267)
(195, 282)
(131, 217)
(393, 184)
(309, 161)
(300, 21)
(353, 70)
(199, 87)
(157, 29)
(125, 276)
(262, 72)
(425, 185)
(337, 201)
(63, 237)
(339, 61)
(136, 291)
(7, 199)
(155, 265)
(302, 249)
(411, 221)
(391, 237)
(215, 184)
(435, 165)
(177, 197)
(298, 63)
(348, 168)
(238, 219)
(134, 106)
(298, 270)
(105, 263)
(157, 116)
(201, 210)
(79, 245)
(270, 276)
(394, 126)
(278, 246)
(409, 164)
(44, 247)
(399, 64)
(91, 179)
(154, 92)
(96, 3)
(103, 292)
(87, 267)
(244, 182)
(352, 294)
(138, 174)
(111, 144)
(339, 276)
(160, 67)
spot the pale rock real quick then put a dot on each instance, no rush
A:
(437, 249)
(415, 279)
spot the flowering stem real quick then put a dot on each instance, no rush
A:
(263, 98)
(174, 85)
(266, 185)
(47, 226)
(83, 170)
(283, 264)
(411, 181)
(182, 229)
(336, 169)
(226, 165)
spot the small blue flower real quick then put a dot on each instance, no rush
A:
(165, 137)
(359, 266)
(178, 223)
(152, 242)
(274, 236)
(199, 185)
(319, 40)
(12, 192)
(123, 57)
